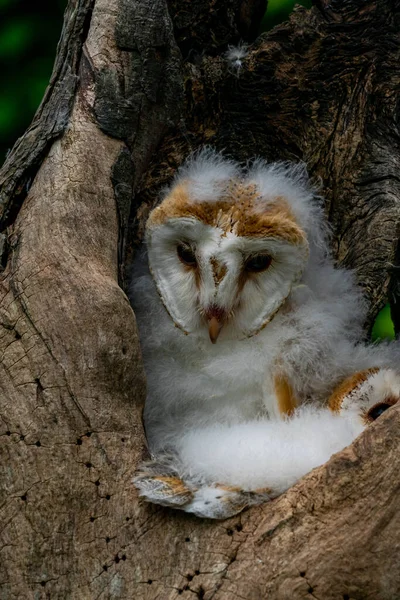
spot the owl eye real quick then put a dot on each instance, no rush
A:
(186, 255)
(258, 263)
(377, 410)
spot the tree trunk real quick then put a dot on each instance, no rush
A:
(136, 86)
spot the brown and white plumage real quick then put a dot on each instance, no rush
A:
(244, 321)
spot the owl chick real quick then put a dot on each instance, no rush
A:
(250, 338)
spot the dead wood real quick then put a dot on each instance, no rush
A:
(133, 91)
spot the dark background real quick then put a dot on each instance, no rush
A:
(29, 32)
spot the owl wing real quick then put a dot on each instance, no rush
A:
(278, 453)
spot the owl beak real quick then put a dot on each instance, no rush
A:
(216, 318)
(214, 327)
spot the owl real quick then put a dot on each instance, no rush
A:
(251, 338)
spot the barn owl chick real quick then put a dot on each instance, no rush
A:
(250, 337)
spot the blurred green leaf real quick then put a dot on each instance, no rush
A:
(36, 92)
(383, 327)
(15, 37)
(37, 79)
(29, 32)
(279, 11)
(8, 114)
(6, 3)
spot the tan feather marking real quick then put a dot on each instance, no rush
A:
(287, 401)
(347, 386)
(173, 485)
(196, 272)
(228, 488)
(219, 270)
(263, 492)
(236, 211)
(197, 277)
(171, 207)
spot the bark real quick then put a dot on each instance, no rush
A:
(136, 86)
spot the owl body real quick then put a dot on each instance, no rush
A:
(191, 380)
(244, 320)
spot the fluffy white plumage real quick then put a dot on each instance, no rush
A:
(291, 330)
(235, 56)
(272, 453)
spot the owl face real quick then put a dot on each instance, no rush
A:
(224, 255)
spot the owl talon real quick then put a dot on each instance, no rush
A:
(206, 501)
(162, 489)
(222, 502)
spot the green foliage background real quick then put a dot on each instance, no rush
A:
(29, 32)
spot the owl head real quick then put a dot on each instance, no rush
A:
(226, 244)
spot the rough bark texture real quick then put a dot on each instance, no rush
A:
(133, 91)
